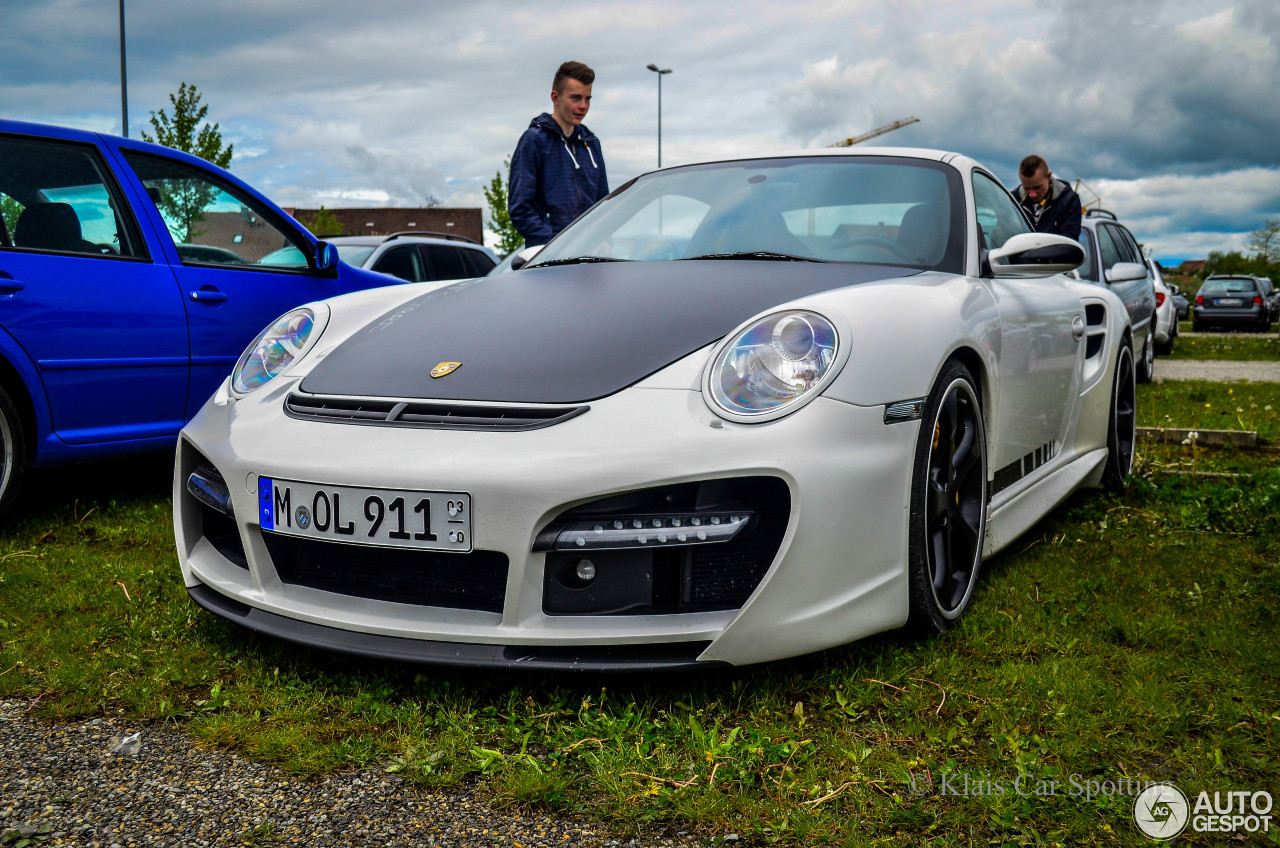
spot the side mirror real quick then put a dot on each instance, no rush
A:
(526, 254)
(1124, 271)
(326, 257)
(1036, 255)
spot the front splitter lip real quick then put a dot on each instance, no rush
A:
(673, 656)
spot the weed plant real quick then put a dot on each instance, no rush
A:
(1192, 404)
(1264, 347)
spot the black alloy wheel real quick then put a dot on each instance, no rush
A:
(1122, 428)
(948, 502)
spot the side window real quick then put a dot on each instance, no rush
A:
(1086, 268)
(214, 223)
(1129, 246)
(999, 218)
(445, 262)
(1108, 250)
(478, 263)
(402, 262)
(59, 196)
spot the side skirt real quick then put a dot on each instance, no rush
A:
(1013, 518)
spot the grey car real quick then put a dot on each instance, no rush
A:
(1114, 260)
(417, 256)
(1232, 300)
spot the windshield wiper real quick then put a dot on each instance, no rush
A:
(768, 255)
(575, 260)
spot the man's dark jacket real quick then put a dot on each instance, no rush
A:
(1060, 214)
(553, 179)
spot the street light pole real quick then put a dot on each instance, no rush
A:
(659, 72)
(124, 85)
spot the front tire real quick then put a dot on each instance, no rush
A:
(1122, 427)
(13, 452)
(948, 518)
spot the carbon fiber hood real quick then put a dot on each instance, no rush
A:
(566, 334)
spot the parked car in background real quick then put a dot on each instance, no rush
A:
(131, 278)
(417, 256)
(1114, 260)
(1232, 300)
(1166, 314)
(1270, 295)
(504, 267)
(843, 381)
(1180, 303)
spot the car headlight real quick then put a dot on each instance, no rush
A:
(277, 347)
(770, 367)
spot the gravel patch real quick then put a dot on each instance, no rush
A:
(1221, 371)
(173, 793)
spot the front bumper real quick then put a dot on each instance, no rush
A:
(839, 573)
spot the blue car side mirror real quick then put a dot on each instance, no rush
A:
(326, 258)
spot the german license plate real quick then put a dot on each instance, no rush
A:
(1229, 301)
(439, 521)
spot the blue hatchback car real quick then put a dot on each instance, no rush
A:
(132, 276)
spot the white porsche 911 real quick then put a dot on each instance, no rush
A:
(739, 411)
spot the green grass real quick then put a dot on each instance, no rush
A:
(1264, 346)
(1208, 405)
(1121, 637)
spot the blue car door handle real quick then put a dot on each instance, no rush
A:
(9, 286)
(212, 297)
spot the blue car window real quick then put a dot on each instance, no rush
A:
(56, 196)
(212, 222)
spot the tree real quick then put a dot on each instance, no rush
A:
(10, 210)
(1266, 241)
(184, 201)
(495, 195)
(324, 223)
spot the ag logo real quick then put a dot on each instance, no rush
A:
(445, 368)
(1161, 811)
(302, 516)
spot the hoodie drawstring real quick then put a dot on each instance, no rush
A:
(591, 155)
(571, 156)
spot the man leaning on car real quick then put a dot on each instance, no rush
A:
(1052, 204)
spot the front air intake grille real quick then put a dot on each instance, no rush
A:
(726, 575)
(673, 577)
(475, 581)
(395, 413)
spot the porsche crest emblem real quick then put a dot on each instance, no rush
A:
(445, 368)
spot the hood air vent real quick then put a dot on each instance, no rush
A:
(448, 416)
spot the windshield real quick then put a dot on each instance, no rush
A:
(355, 254)
(1228, 284)
(872, 209)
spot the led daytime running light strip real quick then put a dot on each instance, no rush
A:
(651, 531)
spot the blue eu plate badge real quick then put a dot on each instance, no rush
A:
(266, 514)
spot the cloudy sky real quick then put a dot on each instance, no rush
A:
(1167, 110)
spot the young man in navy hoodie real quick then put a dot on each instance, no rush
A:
(557, 171)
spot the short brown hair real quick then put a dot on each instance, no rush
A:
(1031, 165)
(575, 71)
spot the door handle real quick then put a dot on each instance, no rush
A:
(212, 297)
(1077, 328)
(9, 287)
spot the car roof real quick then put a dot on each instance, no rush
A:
(374, 241)
(839, 152)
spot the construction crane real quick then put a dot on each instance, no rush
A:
(850, 142)
(1097, 198)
